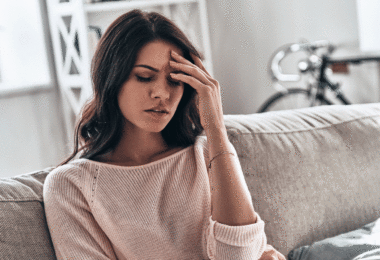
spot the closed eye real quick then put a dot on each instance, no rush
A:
(149, 79)
(174, 83)
(142, 79)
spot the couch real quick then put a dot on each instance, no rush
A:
(313, 173)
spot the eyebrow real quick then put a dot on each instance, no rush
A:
(148, 67)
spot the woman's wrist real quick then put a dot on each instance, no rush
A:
(218, 143)
(217, 134)
(219, 154)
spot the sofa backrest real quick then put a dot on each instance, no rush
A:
(24, 233)
(312, 173)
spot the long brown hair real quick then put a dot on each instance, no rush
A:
(99, 127)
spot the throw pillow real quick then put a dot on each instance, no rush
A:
(363, 243)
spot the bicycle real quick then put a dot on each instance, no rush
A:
(315, 65)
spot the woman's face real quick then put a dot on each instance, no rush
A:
(149, 85)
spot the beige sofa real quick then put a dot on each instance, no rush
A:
(313, 173)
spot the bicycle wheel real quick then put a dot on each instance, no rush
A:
(292, 99)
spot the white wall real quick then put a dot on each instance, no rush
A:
(245, 33)
(32, 135)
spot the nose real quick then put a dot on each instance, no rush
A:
(161, 89)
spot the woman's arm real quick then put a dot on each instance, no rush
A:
(231, 200)
(231, 203)
(230, 197)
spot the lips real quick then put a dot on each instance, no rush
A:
(159, 108)
(163, 112)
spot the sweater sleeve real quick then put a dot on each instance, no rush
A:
(235, 242)
(73, 229)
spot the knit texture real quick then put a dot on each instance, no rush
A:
(160, 210)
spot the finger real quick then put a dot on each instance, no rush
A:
(195, 83)
(179, 58)
(199, 63)
(268, 257)
(192, 71)
(269, 254)
(273, 252)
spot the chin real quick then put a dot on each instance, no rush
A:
(154, 127)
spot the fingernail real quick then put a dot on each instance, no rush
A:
(174, 52)
(173, 75)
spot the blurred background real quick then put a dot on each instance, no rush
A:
(243, 34)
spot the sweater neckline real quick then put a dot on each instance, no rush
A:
(109, 165)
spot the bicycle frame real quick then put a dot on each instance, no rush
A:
(327, 61)
(323, 80)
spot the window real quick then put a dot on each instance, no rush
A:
(23, 56)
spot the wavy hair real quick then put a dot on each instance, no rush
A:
(99, 127)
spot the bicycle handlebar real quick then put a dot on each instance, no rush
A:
(275, 69)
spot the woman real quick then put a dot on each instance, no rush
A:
(140, 187)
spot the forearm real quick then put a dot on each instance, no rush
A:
(230, 197)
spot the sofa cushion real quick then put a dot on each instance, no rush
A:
(23, 231)
(313, 173)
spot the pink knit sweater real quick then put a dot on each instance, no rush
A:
(160, 210)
